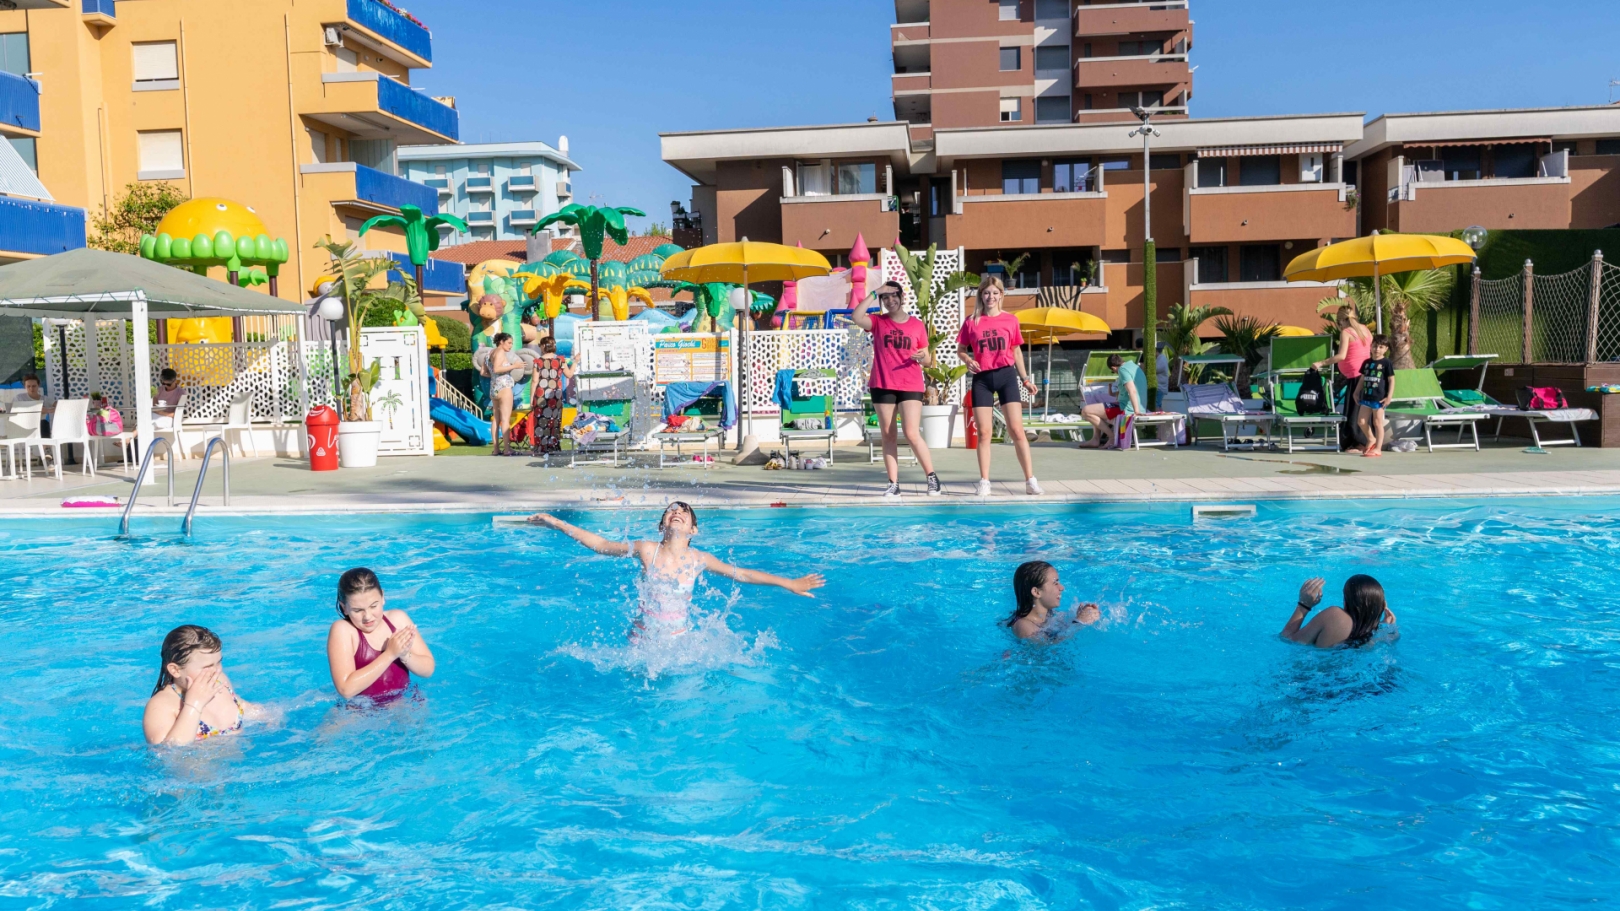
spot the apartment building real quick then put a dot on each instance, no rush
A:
(32, 224)
(293, 108)
(980, 63)
(500, 189)
(1232, 201)
(1536, 168)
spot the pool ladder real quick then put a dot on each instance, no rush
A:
(196, 493)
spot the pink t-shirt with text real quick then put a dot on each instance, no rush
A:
(893, 344)
(991, 339)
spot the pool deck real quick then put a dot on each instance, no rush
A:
(480, 483)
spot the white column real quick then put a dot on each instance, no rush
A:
(92, 357)
(303, 381)
(140, 386)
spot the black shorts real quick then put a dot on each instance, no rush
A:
(894, 396)
(1002, 382)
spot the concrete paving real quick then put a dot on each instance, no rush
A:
(480, 483)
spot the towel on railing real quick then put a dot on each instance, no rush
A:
(783, 394)
(677, 396)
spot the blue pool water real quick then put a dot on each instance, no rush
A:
(883, 746)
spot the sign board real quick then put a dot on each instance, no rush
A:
(610, 347)
(399, 401)
(684, 357)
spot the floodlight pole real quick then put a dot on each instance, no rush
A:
(1150, 264)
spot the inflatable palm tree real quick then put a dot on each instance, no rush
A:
(421, 234)
(593, 222)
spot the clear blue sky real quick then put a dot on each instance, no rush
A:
(612, 74)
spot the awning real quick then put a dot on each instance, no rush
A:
(1477, 142)
(82, 282)
(1303, 148)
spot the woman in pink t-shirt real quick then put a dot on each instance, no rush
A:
(990, 345)
(899, 354)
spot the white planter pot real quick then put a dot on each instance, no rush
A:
(357, 443)
(937, 423)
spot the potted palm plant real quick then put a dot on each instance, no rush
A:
(1246, 337)
(931, 291)
(353, 277)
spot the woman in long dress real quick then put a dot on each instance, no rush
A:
(551, 377)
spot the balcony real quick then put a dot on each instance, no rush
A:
(1028, 220)
(901, 33)
(480, 218)
(29, 228)
(565, 189)
(102, 14)
(911, 83)
(482, 186)
(522, 217)
(385, 29)
(439, 275)
(1122, 72)
(1130, 19)
(373, 106)
(19, 106)
(440, 184)
(367, 191)
(521, 183)
(1286, 303)
(1426, 203)
(1235, 215)
(833, 222)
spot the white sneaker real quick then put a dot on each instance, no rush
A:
(1033, 488)
(892, 493)
(981, 489)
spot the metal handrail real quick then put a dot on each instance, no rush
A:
(202, 475)
(140, 476)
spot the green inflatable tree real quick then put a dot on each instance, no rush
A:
(421, 233)
(593, 222)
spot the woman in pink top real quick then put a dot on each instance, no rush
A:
(990, 345)
(899, 354)
(1355, 346)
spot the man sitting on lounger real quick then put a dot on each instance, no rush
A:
(1131, 389)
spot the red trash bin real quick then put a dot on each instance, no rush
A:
(321, 434)
(970, 429)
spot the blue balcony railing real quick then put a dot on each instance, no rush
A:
(437, 275)
(104, 7)
(481, 218)
(44, 228)
(438, 183)
(406, 103)
(19, 102)
(521, 183)
(480, 184)
(392, 27)
(373, 185)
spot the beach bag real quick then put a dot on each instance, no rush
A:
(1312, 396)
(1541, 398)
(104, 423)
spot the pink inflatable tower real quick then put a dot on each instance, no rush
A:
(789, 301)
(859, 259)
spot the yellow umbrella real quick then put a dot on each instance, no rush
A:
(1047, 324)
(1294, 331)
(1377, 255)
(738, 263)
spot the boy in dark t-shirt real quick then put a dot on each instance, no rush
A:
(1374, 391)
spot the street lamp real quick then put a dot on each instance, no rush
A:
(1150, 260)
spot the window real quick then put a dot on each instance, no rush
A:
(1260, 263)
(1012, 109)
(1167, 254)
(1260, 171)
(1026, 275)
(483, 167)
(1011, 59)
(438, 170)
(1148, 99)
(1212, 172)
(1310, 167)
(1089, 101)
(1166, 162)
(1072, 177)
(527, 169)
(27, 150)
(156, 62)
(14, 53)
(1085, 50)
(1116, 164)
(857, 178)
(162, 155)
(1567, 145)
(1116, 256)
(815, 179)
(936, 199)
(1052, 109)
(317, 145)
(1051, 9)
(1211, 265)
(1052, 58)
(1071, 268)
(1608, 147)
(1020, 176)
(1009, 10)
(1140, 48)
(1514, 161)
(1461, 163)
(347, 61)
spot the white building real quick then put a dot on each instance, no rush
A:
(500, 188)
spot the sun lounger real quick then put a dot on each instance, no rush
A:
(1477, 399)
(1219, 404)
(1172, 419)
(872, 435)
(611, 395)
(808, 418)
(1287, 361)
(1418, 395)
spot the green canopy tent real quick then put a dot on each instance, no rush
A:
(91, 284)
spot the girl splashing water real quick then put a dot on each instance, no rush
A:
(670, 567)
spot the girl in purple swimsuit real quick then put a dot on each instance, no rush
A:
(193, 699)
(373, 652)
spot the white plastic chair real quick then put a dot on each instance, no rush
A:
(238, 420)
(67, 428)
(20, 427)
(174, 431)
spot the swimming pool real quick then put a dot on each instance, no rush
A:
(883, 746)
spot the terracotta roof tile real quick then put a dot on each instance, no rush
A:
(480, 250)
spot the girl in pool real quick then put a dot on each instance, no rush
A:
(670, 567)
(1039, 594)
(371, 651)
(1353, 624)
(193, 699)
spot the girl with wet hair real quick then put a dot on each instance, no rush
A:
(503, 365)
(193, 699)
(1353, 624)
(670, 568)
(1039, 593)
(372, 651)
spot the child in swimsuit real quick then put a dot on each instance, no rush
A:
(193, 699)
(373, 652)
(1039, 594)
(670, 568)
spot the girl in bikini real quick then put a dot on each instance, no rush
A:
(371, 651)
(1039, 595)
(670, 568)
(193, 699)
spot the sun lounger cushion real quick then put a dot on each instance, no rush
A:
(1213, 399)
